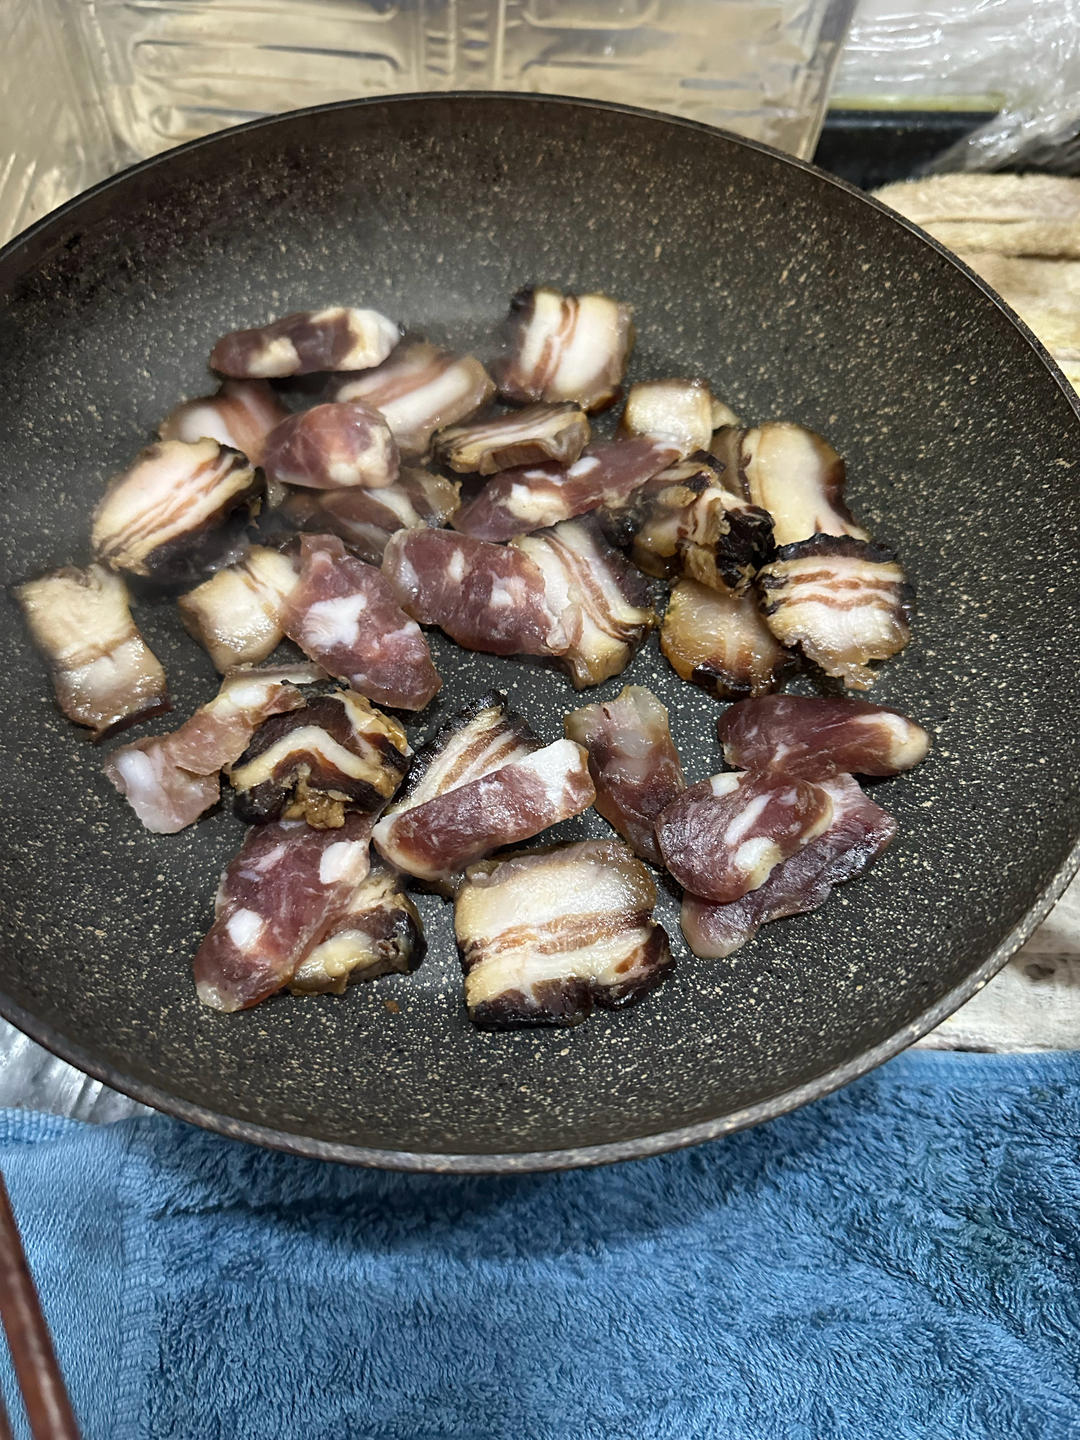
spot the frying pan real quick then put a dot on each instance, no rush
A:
(798, 298)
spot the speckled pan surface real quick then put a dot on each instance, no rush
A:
(797, 298)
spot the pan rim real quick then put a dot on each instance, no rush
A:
(12, 257)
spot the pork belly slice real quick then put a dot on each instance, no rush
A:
(843, 602)
(170, 780)
(419, 390)
(437, 839)
(178, 512)
(241, 415)
(378, 932)
(482, 736)
(856, 835)
(236, 614)
(337, 338)
(365, 519)
(534, 496)
(724, 836)
(104, 674)
(566, 347)
(633, 763)
(720, 641)
(532, 436)
(681, 413)
(338, 446)
(546, 936)
(813, 739)
(281, 893)
(335, 753)
(485, 596)
(603, 603)
(793, 474)
(343, 614)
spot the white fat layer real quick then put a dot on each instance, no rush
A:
(400, 505)
(427, 402)
(312, 740)
(342, 861)
(332, 623)
(741, 825)
(523, 967)
(274, 358)
(727, 782)
(373, 335)
(455, 568)
(244, 928)
(756, 858)
(502, 596)
(135, 769)
(545, 320)
(678, 412)
(594, 344)
(554, 765)
(542, 895)
(534, 506)
(908, 742)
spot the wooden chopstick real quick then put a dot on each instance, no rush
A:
(36, 1368)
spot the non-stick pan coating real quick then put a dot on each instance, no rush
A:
(797, 298)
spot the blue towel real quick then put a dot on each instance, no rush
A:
(899, 1260)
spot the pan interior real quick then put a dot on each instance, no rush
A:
(797, 299)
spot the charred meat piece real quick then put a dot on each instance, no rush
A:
(337, 753)
(420, 390)
(104, 674)
(343, 614)
(633, 763)
(169, 780)
(527, 437)
(841, 601)
(241, 415)
(720, 641)
(532, 497)
(481, 737)
(437, 839)
(797, 477)
(603, 603)
(566, 347)
(306, 341)
(378, 932)
(236, 614)
(486, 597)
(724, 836)
(680, 413)
(169, 515)
(282, 892)
(812, 738)
(544, 937)
(857, 833)
(365, 519)
(332, 447)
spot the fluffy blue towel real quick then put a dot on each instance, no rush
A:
(900, 1260)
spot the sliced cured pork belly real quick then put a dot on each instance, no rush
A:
(532, 497)
(365, 519)
(681, 413)
(486, 597)
(603, 603)
(526, 437)
(336, 753)
(420, 390)
(544, 937)
(177, 512)
(843, 602)
(857, 833)
(566, 347)
(719, 641)
(170, 780)
(337, 338)
(378, 932)
(236, 614)
(437, 839)
(793, 474)
(241, 415)
(343, 614)
(813, 738)
(724, 836)
(685, 521)
(104, 674)
(279, 895)
(633, 763)
(481, 737)
(338, 446)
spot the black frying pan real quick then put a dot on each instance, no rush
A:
(798, 298)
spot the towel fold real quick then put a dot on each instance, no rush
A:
(899, 1260)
